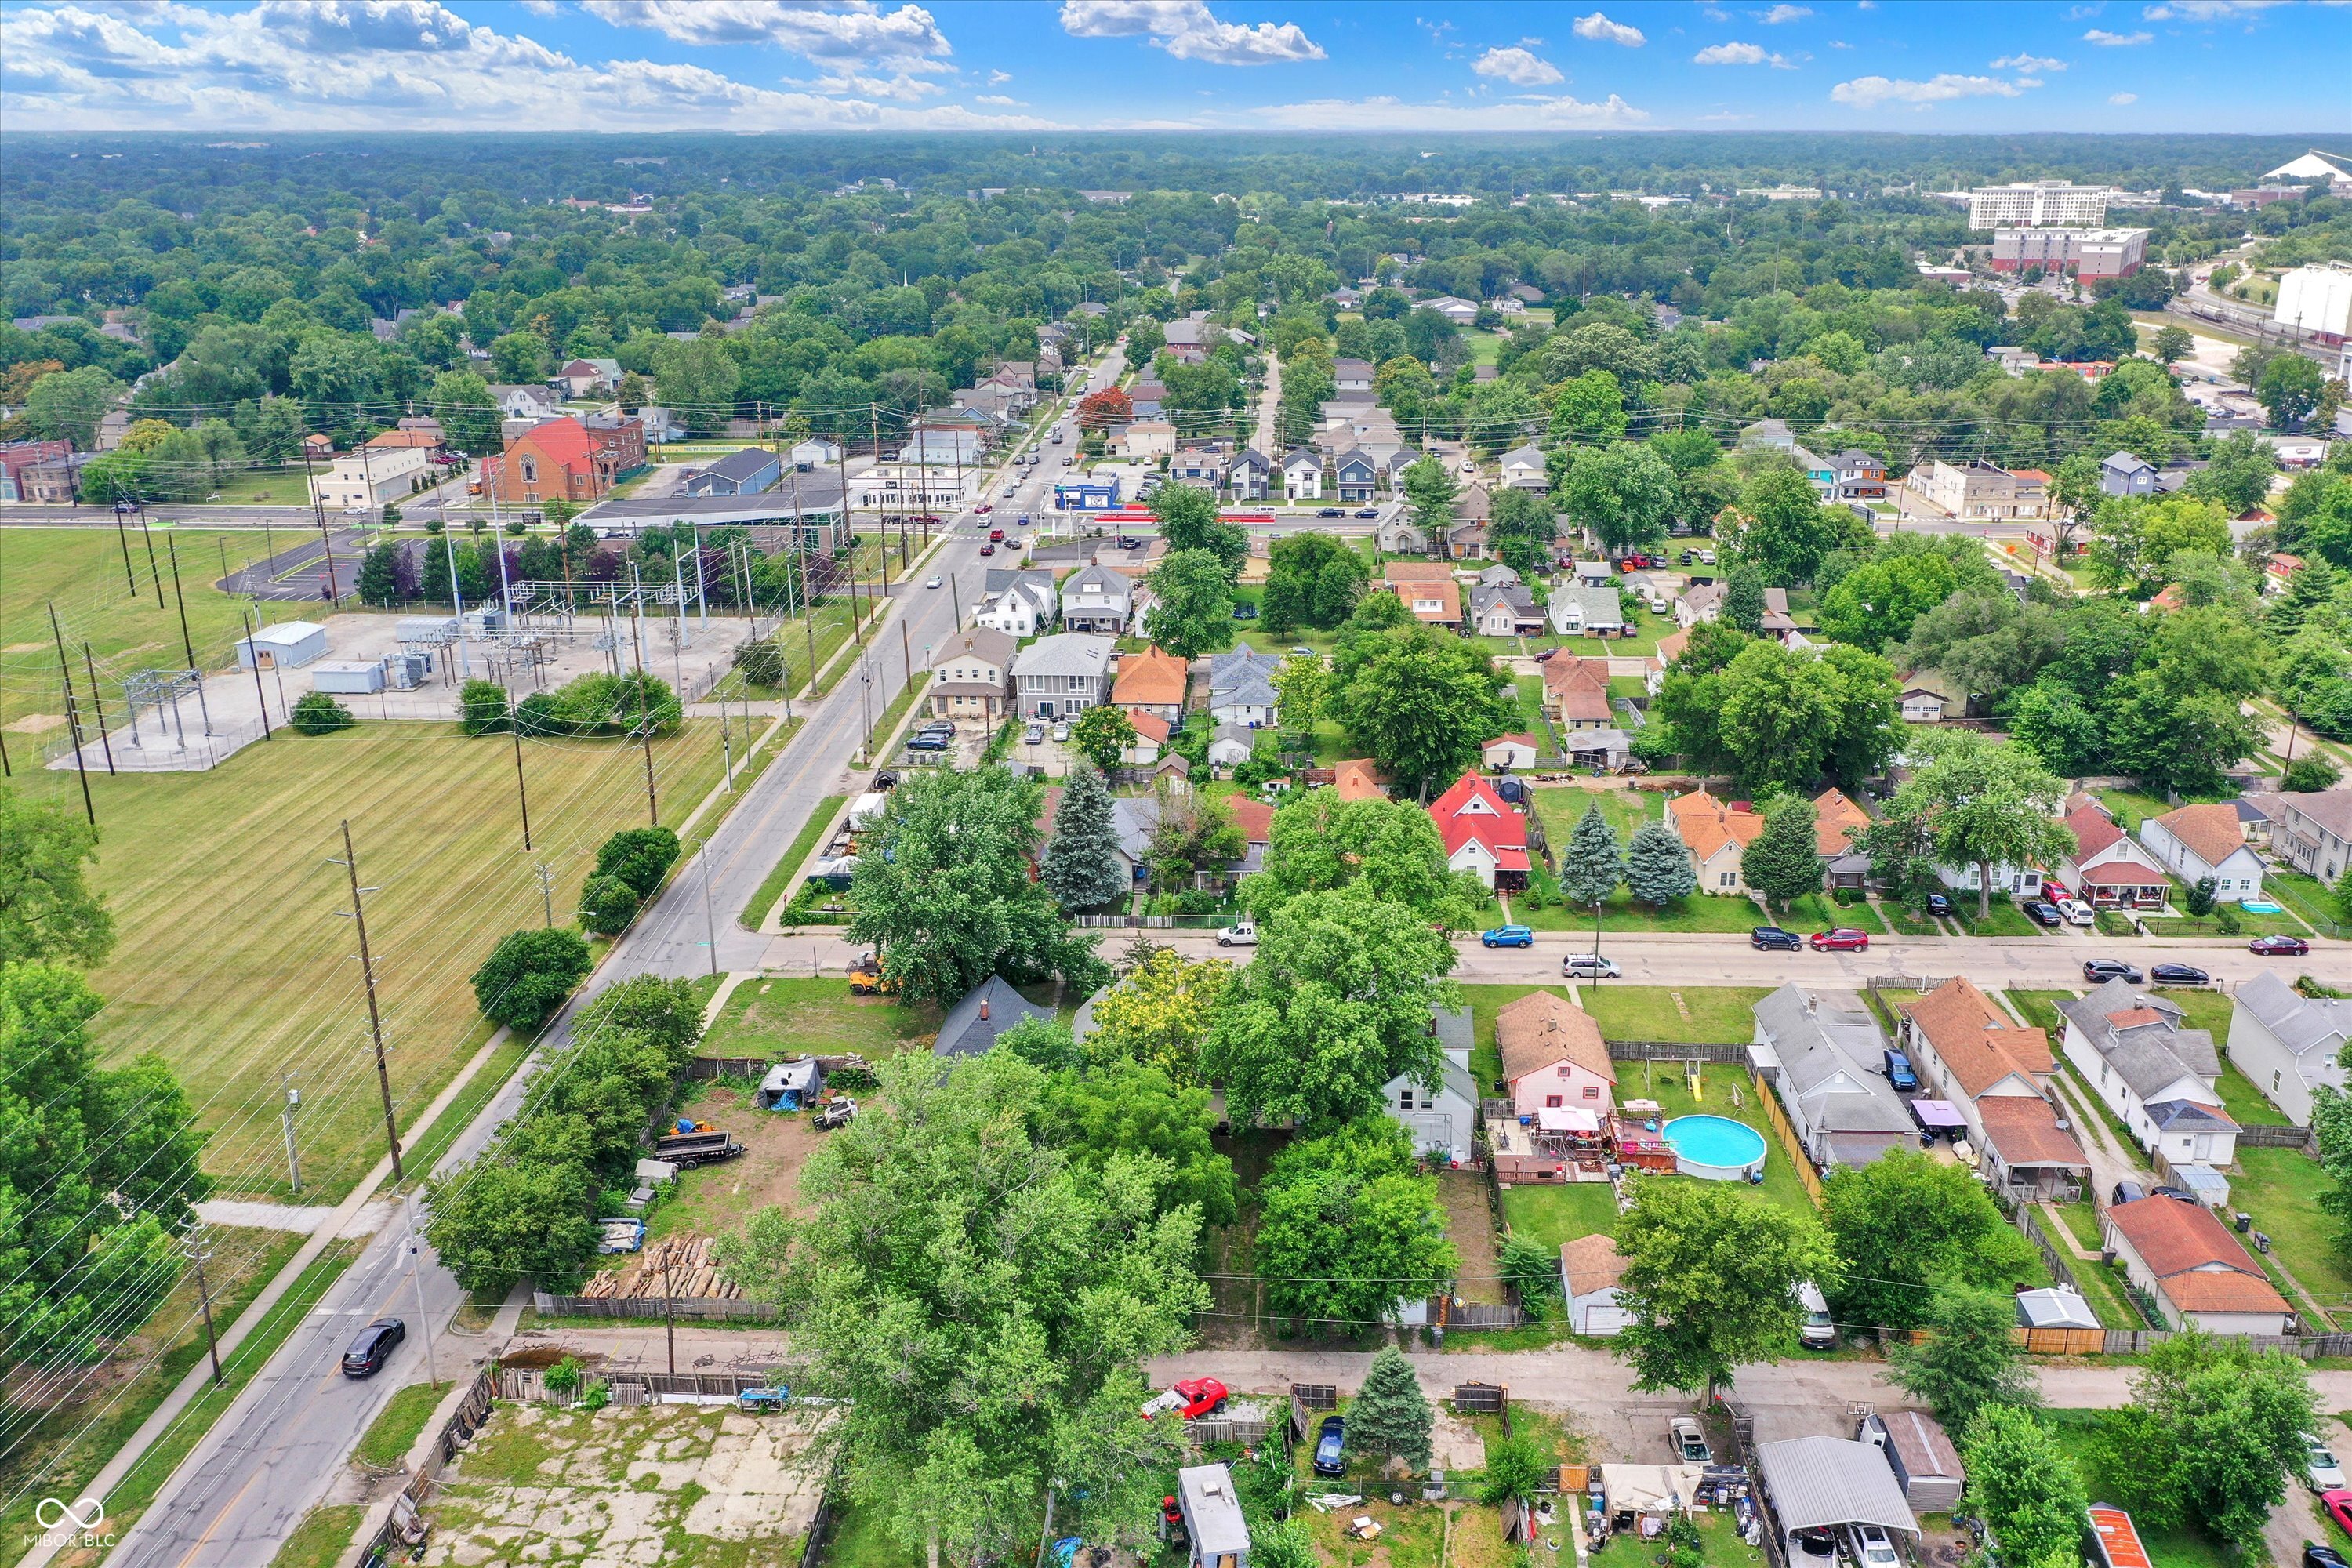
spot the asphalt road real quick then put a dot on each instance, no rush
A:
(250, 1481)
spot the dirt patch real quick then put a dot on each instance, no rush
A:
(539, 1356)
(36, 723)
(1470, 1220)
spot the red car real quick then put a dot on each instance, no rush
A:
(1192, 1397)
(985, 506)
(2338, 1505)
(1842, 940)
(2279, 946)
(988, 550)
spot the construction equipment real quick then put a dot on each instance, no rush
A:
(866, 978)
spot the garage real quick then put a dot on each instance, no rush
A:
(1830, 1497)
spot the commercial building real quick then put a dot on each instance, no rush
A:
(2318, 300)
(377, 478)
(2037, 202)
(1983, 493)
(2085, 252)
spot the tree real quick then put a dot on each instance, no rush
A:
(762, 663)
(1103, 409)
(1188, 522)
(2076, 491)
(640, 857)
(1422, 705)
(1102, 735)
(2238, 472)
(1622, 493)
(1784, 863)
(1658, 868)
(1193, 609)
(1782, 717)
(47, 910)
(502, 1218)
(1591, 863)
(468, 414)
(1429, 491)
(1592, 407)
(67, 405)
(1349, 1227)
(1710, 1281)
(1966, 1356)
(2177, 743)
(979, 1303)
(316, 713)
(1905, 1223)
(2173, 344)
(2310, 773)
(945, 896)
(1788, 530)
(1083, 868)
(1334, 1004)
(2289, 390)
(1319, 842)
(1158, 1014)
(1517, 1470)
(1303, 684)
(1973, 801)
(1312, 580)
(2213, 1432)
(518, 356)
(1390, 1413)
(698, 380)
(484, 709)
(1873, 606)
(1523, 530)
(2025, 1486)
(607, 905)
(1743, 598)
(528, 974)
(1133, 1108)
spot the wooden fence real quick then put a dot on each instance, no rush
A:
(2264, 1137)
(1447, 1313)
(405, 1523)
(1316, 1395)
(712, 1309)
(1790, 1150)
(1207, 1429)
(1485, 1398)
(528, 1384)
(1678, 1051)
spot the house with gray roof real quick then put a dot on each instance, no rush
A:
(1242, 691)
(1097, 598)
(746, 471)
(1020, 604)
(1249, 475)
(986, 1011)
(2159, 1078)
(1441, 1119)
(1523, 468)
(1356, 473)
(1062, 676)
(1587, 612)
(2313, 829)
(1504, 610)
(2126, 473)
(970, 675)
(1832, 1075)
(1230, 745)
(2288, 1043)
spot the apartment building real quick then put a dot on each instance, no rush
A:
(2085, 252)
(2038, 202)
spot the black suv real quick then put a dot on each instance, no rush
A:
(2097, 971)
(374, 1343)
(1772, 938)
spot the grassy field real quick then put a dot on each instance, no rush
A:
(1698, 912)
(1553, 1213)
(1706, 1015)
(2102, 1283)
(2281, 1188)
(1561, 806)
(2306, 896)
(2249, 925)
(2003, 919)
(264, 487)
(771, 1017)
(325, 1534)
(2180, 1548)
(395, 1429)
(232, 965)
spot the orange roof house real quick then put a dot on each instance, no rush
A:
(556, 459)
(2206, 841)
(1154, 680)
(1425, 588)
(1576, 690)
(2200, 1275)
(1716, 834)
(1996, 1073)
(1357, 779)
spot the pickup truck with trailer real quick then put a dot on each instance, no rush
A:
(686, 1149)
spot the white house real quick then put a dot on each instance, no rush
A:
(1590, 1269)
(1586, 612)
(1441, 1121)
(1523, 468)
(2156, 1077)
(1511, 750)
(1230, 745)
(1151, 733)
(1351, 374)
(2200, 1276)
(1144, 439)
(2018, 881)
(971, 677)
(1241, 689)
(816, 453)
(2288, 1043)
(1021, 604)
(2199, 841)
(1096, 598)
(1302, 475)
(1502, 611)
(1831, 1056)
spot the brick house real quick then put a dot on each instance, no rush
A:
(558, 459)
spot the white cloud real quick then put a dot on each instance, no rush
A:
(2206, 10)
(1870, 91)
(906, 39)
(539, 7)
(1601, 29)
(2120, 99)
(997, 78)
(2107, 40)
(1530, 112)
(2021, 61)
(1865, 4)
(1715, 13)
(1780, 14)
(901, 88)
(1740, 55)
(999, 100)
(1186, 29)
(1517, 67)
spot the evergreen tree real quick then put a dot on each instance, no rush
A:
(1659, 867)
(1590, 865)
(1391, 1413)
(1785, 861)
(2309, 589)
(1082, 867)
(1743, 599)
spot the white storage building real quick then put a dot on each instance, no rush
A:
(290, 645)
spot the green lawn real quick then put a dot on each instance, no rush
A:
(1529, 690)
(1698, 912)
(2182, 1547)
(1486, 1001)
(325, 1534)
(1648, 627)
(423, 1149)
(395, 1429)
(2245, 1103)
(1561, 806)
(2041, 1009)
(1819, 912)
(2281, 1188)
(788, 865)
(1551, 1213)
(856, 1539)
(2131, 807)
(1709, 1014)
(1718, 1536)
(777, 1017)
(2306, 896)
(2249, 925)
(1663, 1082)
(2003, 919)
(2102, 1284)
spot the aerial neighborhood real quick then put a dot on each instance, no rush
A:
(969, 839)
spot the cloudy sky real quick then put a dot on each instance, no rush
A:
(1299, 65)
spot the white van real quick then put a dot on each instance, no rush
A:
(1818, 1334)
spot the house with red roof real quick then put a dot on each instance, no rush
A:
(1483, 833)
(2108, 866)
(2200, 1276)
(1151, 733)
(556, 459)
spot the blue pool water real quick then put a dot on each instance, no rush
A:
(1714, 1146)
(2252, 908)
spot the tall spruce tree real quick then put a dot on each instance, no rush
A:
(1590, 863)
(1659, 867)
(1082, 867)
(1391, 1413)
(1785, 860)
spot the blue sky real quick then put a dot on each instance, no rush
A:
(1313, 65)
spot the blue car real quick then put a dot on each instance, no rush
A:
(1507, 936)
(1899, 1071)
(1331, 1446)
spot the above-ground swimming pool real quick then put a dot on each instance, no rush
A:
(2261, 906)
(1714, 1148)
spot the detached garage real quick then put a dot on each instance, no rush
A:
(290, 645)
(1589, 1270)
(1925, 1464)
(1817, 1485)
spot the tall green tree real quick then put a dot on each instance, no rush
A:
(1904, 1224)
(1390, 1415)
(1312, 580)
(1420, 703)
(1622, 493)
(1788, 531)
(1973, 801)
(1591, 863)
(1336, 1003)
(1188, 520)
(1319, 842)
(2289, 390)
(1967, 1357)
(469, 418)
(2213, 1432)
(1158, 1014)
(1349, 1227)
(528, 975)
(67, 405)
(1133, 1108)
(48, 912)
(1658, 866)
(1710, 1281)
(1784, 861)
(1873, 606)
(980, 1303)
(1743, 598)
(698, 380)
(1429, 491)
(1102, 735)
(1192, 609)
(2026, 1486)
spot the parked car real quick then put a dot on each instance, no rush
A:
(2338, 1505)
(1706, 557)
(1589, 966)
(2077, 912)
(1940, 906)
(1331, 1446)
(1061, 732)
(2320, 1467)
(2041, 912)
(2178, 975)
(926, 744)
(2125, 1193)
(1033, 732)
(1845, 939)
(2099, 971)
(1871, 1547)
(1897, 1068)
(1507, 936)
(2279, 946)
(1242, 934)
(1190, 1397)
(1689, 1441)
(373, 1344)
(1819, 1332)
(1367, 513)
(2315, 1555)
(1330, 512)
(931, 582)
(1772, 938)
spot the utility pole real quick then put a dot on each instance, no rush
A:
(193, 1245)
(522, 795)
(259, 693)
(73, 717)
(293, 1102)
(547, 892)
(417, 1278)
(122, 536)
(172, 547)
(709, 926)
(906, 650)
(148, 538)
(350, 863)
(90, 665)
(328, 545)
(646, 728)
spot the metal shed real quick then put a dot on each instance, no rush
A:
(1814, 1482)
(290, 645)
(791, 1085)
(1925, 1464)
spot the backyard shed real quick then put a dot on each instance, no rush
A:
(1814, 1483)
(1590, 1271)
(1212, 1517)
(1924, 1463)
(2054, 1307)
(790, 1086)
(290, 645)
